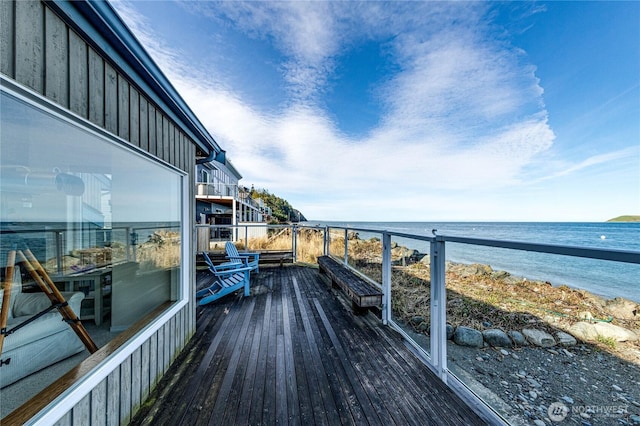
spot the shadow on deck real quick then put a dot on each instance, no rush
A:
(292, 353)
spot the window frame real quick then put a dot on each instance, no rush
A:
(85, 384)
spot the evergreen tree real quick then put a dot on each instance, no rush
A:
(281, 210)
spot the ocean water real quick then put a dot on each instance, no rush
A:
(605, 278)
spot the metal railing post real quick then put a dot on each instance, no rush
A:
(346, 246)
(128, 244)
(386, 278)
(134, 243)
(327, 241)
(294, 243)
(438, 308)
(59, 251)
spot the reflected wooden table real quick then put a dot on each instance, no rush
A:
(101, 289)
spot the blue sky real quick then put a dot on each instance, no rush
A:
(415, 111)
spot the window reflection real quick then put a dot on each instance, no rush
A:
(104, 222)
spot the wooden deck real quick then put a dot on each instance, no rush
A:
(293, 353)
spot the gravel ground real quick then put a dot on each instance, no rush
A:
(582, 384)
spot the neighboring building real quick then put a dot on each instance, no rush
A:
(97, 168)
(221, 200)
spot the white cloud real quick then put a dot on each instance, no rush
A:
(463, 116)
(631, 153)
(305, 33)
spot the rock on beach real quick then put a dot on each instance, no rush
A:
(592, 331)
(496, 337)
(450, 330)
(518, 338)
(539, 337)
(622, 308)
(565, 339)
(465, 336)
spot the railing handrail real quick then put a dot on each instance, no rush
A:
(237, 191)
(65, 229)
(243, 225)
(616, 255)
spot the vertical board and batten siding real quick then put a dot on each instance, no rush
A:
(40, 51)
(78, 75)
(7, 39)
(56, 81)
(96, 89)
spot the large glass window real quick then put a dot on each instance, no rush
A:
(104, 222)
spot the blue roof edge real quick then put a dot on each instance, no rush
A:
(106, 31)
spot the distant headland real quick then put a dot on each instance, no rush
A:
(625, 218)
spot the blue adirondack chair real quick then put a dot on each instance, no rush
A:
(248, 259)
(229, 277)
(215, 268)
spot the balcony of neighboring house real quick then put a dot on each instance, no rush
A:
(216, 190)
(227, 204)
(238, 198)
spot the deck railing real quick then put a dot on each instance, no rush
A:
(376, 260)
(52, 244)
(238, 192)
(247, 235)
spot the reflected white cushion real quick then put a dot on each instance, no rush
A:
(40, 343)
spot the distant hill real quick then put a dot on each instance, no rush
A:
(282, 211)
(626, 218)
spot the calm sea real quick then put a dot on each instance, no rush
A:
(605, 278)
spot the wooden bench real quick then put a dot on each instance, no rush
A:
(276, 256)
(363, 295)
(267, 257)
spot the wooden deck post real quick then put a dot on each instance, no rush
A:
(203, 236)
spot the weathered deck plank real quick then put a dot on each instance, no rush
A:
(293, 353)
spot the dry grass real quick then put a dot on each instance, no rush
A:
(161, 251)
(310, 243)
(502, 300)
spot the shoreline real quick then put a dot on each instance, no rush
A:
(608, 279)
(566, 282)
